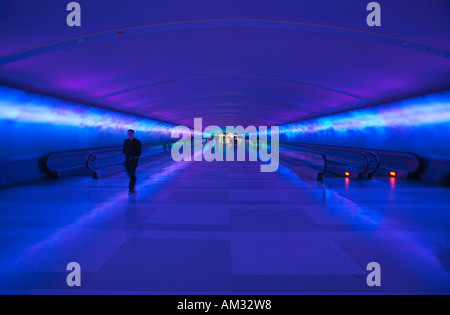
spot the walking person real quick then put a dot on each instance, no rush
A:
(132, 150)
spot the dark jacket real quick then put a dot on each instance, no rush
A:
(132, 149)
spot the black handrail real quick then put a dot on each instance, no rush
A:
(405, 164)
(92, 156)
(59, 162)
(368, 161)
(322, 155)
(373, 162)
(71, 162)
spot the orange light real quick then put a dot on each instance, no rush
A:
(393, 182)
(347, 174)
(393, 174)
(347, 182)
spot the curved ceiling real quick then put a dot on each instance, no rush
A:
(230, 62)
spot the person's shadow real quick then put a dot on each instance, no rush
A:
(134, 223)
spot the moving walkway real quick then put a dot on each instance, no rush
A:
(354, 163)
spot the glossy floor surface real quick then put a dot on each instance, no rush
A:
(218, 228)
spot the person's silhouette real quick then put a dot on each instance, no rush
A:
(132, 150)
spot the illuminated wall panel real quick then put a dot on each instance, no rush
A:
(420, 125)
(31, 124)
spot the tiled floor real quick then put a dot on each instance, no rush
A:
(196, 228)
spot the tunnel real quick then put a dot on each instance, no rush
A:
(253, 147)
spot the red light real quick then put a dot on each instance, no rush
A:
(347, 174)
(393, 182)
(393, 174)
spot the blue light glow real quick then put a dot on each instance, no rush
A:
(36, 109)
(33, 125)
(420, 125)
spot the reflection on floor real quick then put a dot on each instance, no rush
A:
(197, 228)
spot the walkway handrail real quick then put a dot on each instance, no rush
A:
(363, 163)
(92, 156)
(373, 161)
(76, 161)
(319, 154)
(405, 162)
